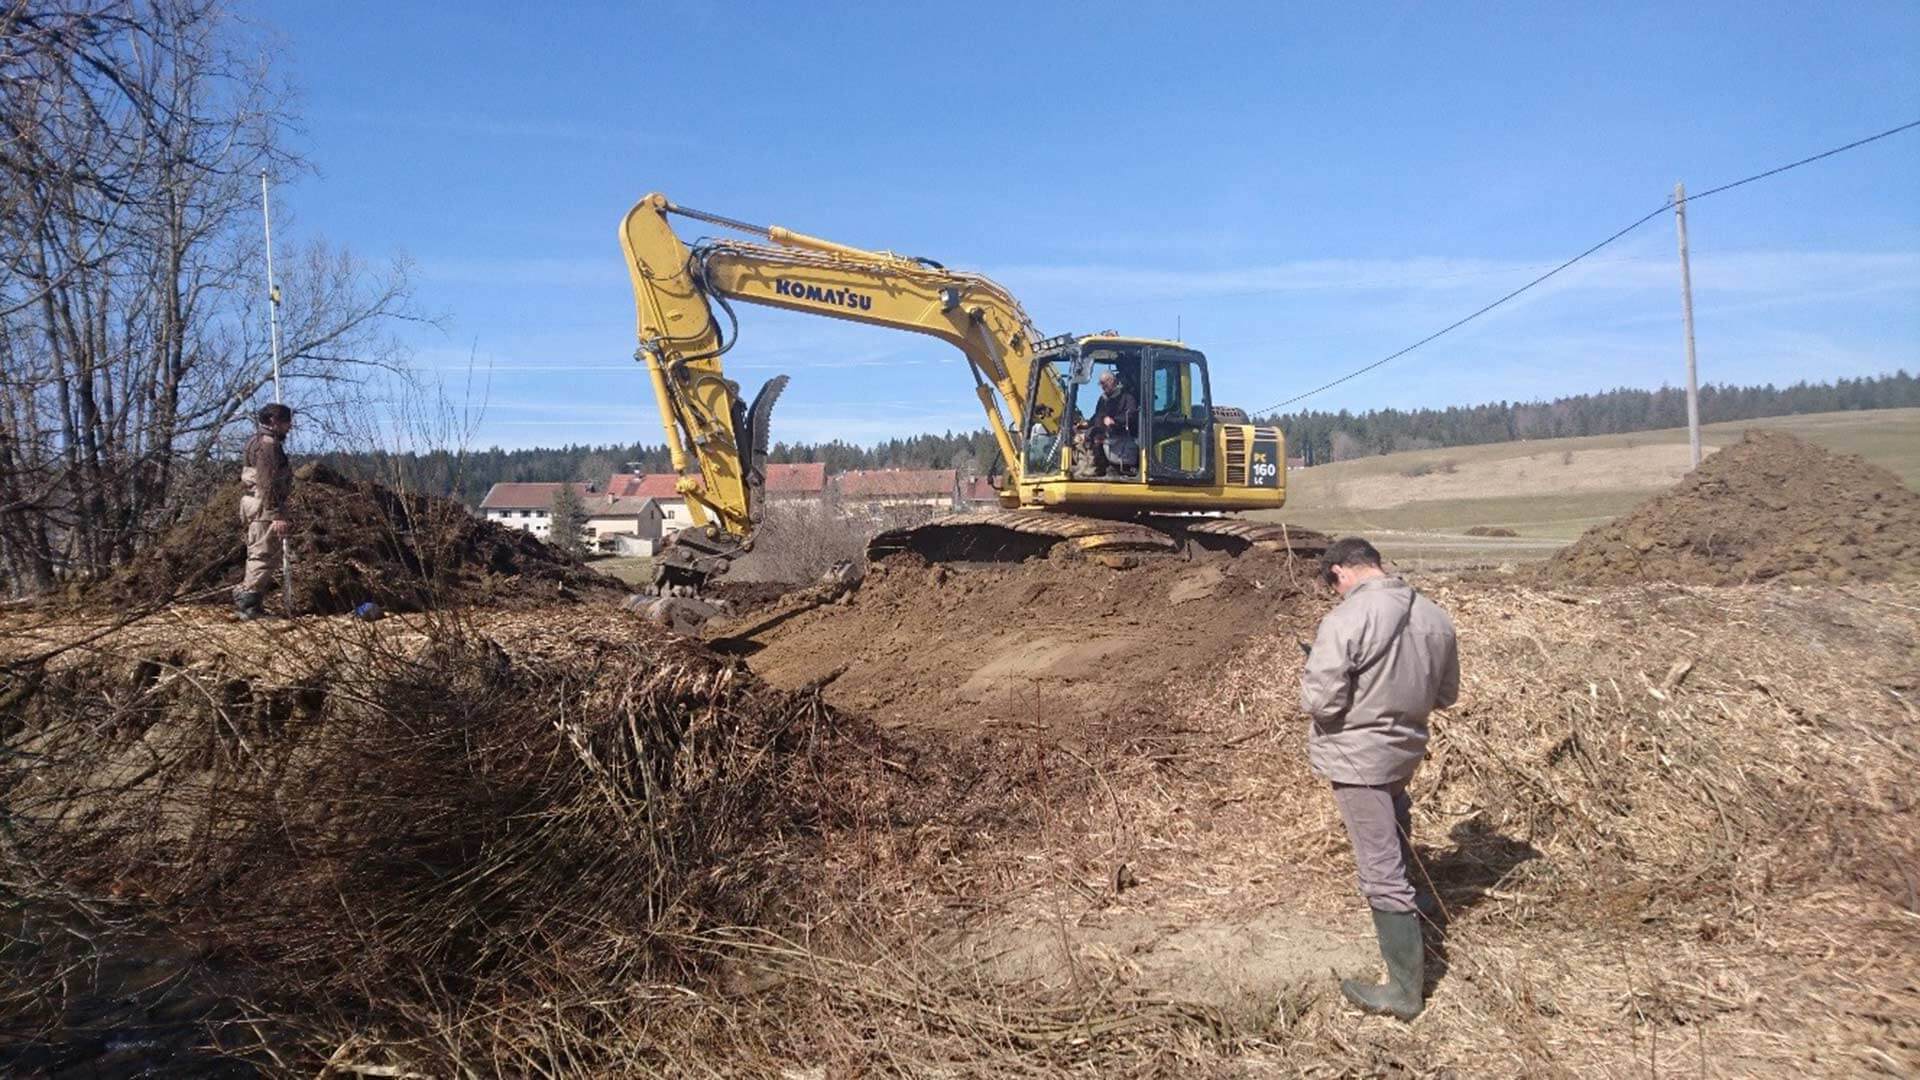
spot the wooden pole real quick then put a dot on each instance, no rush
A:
(1686, 308)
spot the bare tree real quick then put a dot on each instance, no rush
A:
(132, 311)
(1346, 447)
(568, 531)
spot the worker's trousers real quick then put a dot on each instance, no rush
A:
(1380, 824)
(263, 549)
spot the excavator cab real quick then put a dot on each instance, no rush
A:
(1166, 438)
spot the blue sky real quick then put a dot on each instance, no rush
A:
(1300, 190)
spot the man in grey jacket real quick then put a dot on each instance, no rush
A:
(1381, 662)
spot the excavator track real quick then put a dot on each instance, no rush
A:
(1010, 535)
(1007, 535)
(1235, 534)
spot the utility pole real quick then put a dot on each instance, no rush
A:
(1686, 307)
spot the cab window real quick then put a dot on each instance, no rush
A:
(1182, 418)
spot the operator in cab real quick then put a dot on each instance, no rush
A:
(1116, 418)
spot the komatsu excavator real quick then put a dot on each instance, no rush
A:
(1157, 480)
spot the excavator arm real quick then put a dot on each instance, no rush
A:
(717, 440)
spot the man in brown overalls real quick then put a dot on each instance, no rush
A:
(266, 479)
(1381, 662)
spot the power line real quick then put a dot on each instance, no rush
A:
(1642, 220)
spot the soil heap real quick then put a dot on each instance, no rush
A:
(1044, 641)
(355, 541)
(1770, 506)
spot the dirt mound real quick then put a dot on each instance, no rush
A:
(1490, 530)
(1037, 641)
(354, 541)
(1770, 506)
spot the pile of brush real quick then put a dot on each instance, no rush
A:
(369, 827)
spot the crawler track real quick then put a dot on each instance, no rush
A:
(1012, 535)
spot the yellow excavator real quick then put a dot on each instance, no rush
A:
(1111, 444)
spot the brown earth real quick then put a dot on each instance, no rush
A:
(1490, 530)
(1664, 825)
(354, 541)
(1770, 506)
(1037, 642)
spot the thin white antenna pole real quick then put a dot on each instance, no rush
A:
(273, 291)
(273, 324)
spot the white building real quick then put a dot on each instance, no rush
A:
(526, 506)
(609, 516)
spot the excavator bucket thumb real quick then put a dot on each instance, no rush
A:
(759, 420)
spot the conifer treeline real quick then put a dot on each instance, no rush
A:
(1318, 436)
(1325, 436)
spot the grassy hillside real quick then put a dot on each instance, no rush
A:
(1419, 504)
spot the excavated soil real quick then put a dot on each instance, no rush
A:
(1770, 506)
(1035, 642)
(355, 541)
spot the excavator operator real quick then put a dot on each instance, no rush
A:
(1113, 434)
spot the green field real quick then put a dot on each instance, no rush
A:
(632, 569)
(1418, 505)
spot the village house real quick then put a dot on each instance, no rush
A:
(978, 493)
(660, 488)
(879, 490)
(804, 482)
(625, 524)
(528, 507)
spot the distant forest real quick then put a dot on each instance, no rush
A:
(1318, 436)
(1323, 436)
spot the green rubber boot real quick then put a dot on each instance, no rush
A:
(1401, 948)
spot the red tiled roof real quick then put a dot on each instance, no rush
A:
(612, 506)
(803, 478)
(659, 485)
(526, 496)
(858, 483)
(808, 478)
